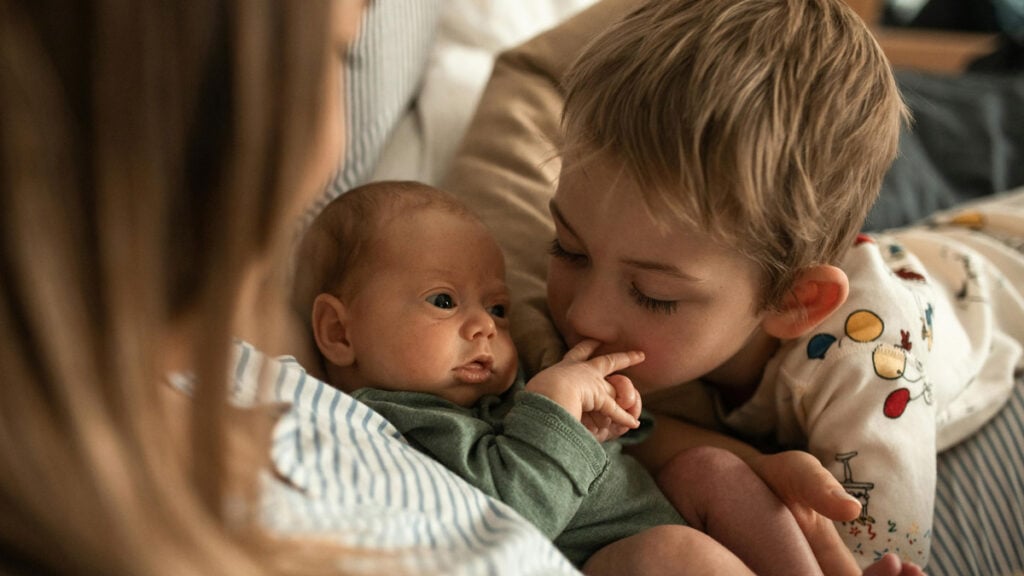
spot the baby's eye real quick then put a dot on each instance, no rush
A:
(498, 311)
(561, 253)
(442, 300)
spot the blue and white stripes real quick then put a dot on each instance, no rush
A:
(347, 475)
(979, 501)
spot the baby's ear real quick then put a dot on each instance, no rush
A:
(329, 330)
(817, 292)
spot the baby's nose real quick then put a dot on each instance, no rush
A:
(480, 324)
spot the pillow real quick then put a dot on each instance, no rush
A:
(384, 70)
(470, 34)
(966, 141)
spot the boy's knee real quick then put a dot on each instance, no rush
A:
(669, 548)
(674, 537)
(650, 551)
(703, 464)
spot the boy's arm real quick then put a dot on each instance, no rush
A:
(812, 494)
(795, 477)
(877, 437)
(538, 459)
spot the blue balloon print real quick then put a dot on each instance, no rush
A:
(819, 345)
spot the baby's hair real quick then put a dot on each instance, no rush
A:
(334, 247)
(766, 123)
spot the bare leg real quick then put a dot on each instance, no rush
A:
(665, 550)
(718, 493)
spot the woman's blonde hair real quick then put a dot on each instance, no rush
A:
(767, 123)
(146, 153)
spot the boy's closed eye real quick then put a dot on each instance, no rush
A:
(652, 304)
(558, 251)
(643, 300)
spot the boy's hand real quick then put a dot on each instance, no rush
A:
(815, 498)
(606, 403)
(798, 478)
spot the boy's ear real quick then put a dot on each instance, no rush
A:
(329, 330)
(816, 293)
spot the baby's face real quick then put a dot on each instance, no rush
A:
(433, 315)
(689, 303)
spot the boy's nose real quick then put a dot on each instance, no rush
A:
(479, 324)
(589, 314)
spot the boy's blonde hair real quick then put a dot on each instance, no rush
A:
(335, 247)
(767, 123)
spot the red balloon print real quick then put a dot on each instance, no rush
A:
(896, 403)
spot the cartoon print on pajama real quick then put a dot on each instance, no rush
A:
(889, 361)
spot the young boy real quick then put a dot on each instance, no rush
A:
(405, 291)
(719, 159)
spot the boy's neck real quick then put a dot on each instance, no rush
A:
(738, 377)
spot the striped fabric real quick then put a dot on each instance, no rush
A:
(347, 475)
(383, 74)
(979, 504)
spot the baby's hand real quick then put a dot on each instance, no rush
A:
(607, 404)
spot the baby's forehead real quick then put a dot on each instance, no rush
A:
(436, 230)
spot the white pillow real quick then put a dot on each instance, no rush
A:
(471, 33)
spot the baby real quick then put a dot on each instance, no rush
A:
(405, 291)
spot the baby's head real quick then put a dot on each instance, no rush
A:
(404, 289)
(767, 124)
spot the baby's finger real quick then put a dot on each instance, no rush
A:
(583, 350)
(619, 415)
(626, 394)
(608, 363)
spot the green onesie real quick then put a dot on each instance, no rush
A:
(528, 452)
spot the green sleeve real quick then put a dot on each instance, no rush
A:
(538, 459)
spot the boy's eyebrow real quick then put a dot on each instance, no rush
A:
(636, 263)
(661, 267)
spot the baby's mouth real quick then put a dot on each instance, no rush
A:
(477, 371)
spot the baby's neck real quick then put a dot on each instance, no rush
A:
(738, 377)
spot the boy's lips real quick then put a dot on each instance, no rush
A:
(477, 371)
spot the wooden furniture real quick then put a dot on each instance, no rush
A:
(930, 50)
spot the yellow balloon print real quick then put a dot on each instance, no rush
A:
(969, 219)
(864, 326)
(890, 361)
